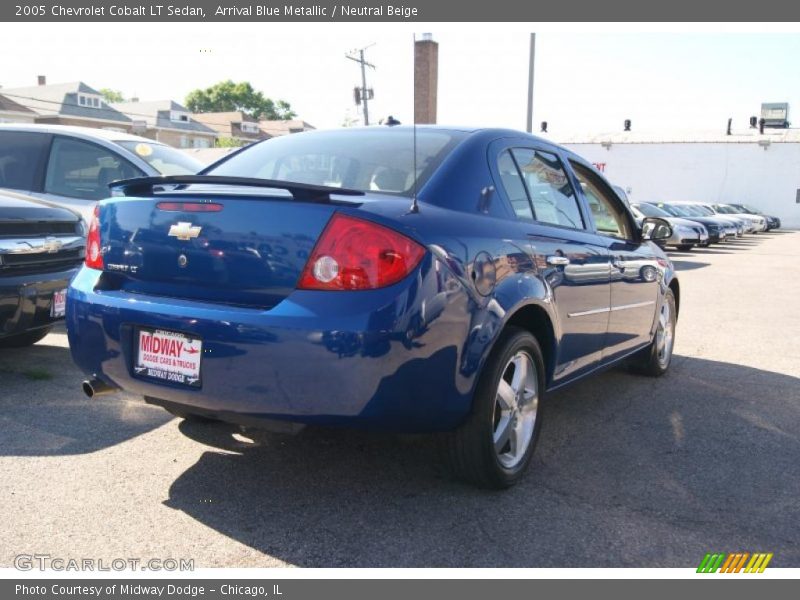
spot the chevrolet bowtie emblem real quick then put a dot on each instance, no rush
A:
(184, 231)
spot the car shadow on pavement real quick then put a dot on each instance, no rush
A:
(630, 471)
(43, 411)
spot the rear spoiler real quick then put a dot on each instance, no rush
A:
(145, 186)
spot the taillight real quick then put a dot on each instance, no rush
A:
(94, 253)
(352, 254)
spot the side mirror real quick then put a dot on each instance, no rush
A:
(655, 229)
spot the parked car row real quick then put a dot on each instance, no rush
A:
(702, 224)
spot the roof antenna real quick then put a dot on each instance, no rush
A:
(414, 203)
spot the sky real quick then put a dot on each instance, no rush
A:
(589, 79)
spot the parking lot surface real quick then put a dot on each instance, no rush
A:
(629, 472)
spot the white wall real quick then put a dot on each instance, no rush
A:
(710, 172)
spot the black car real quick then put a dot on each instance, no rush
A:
(41, 247)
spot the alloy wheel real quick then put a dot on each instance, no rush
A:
(515, 410)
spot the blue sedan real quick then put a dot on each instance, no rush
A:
(432, 280)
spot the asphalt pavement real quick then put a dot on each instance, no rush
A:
(630, 471)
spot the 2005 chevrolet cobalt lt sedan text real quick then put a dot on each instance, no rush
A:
(437, 280)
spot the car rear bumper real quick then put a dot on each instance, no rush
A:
(384, 359)
(26, 300)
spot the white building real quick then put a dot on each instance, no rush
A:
(746, 167)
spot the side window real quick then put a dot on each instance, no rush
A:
(21, 158)
(79, 169)
(609, 215)
(549, 189)
(512, 183)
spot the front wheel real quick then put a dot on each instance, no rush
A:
(655, 359)
(494, 446)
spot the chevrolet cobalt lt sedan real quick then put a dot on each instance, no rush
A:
(439, 280)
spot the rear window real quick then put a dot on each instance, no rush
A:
(164, 159)
(22, 155)
(379, 159)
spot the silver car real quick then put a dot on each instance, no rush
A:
(72, 166)
(758, 222)
(685, 233)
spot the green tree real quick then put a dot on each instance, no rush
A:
(227, 96)
(112, 96)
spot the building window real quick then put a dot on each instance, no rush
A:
(249, 127)
(179, 117)
(89, 101)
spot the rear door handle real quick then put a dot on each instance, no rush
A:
(557, 261)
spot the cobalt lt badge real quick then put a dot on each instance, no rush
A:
(184, 231)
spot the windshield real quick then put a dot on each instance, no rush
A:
(704, 210)
(725, 209)
(745, 209)
(165, 160)
(368, 159)
(648, 210)
(694, 210)
(673, 210)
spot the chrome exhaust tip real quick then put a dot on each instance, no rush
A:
(95, 387)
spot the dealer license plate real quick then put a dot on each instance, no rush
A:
(168, 356)
(59, 305)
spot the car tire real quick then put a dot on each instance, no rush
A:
(494, 446)
(656, 358)
(685, 247)
(29, 338)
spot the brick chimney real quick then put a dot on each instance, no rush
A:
(426, 79)
(42, 80)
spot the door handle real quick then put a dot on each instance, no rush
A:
(557, 261)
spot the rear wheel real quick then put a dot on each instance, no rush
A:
(494, 446)
(655, 359)
(29, 338)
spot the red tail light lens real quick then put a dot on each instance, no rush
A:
(94, 252)
(353, 254)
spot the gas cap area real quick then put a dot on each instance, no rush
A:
(484, 273)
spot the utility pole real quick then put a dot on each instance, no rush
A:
(530, 83)
(366, 95)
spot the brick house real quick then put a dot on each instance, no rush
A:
(234, 125)
(167, 122)
(284, 127)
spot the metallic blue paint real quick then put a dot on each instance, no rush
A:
(406, 357)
